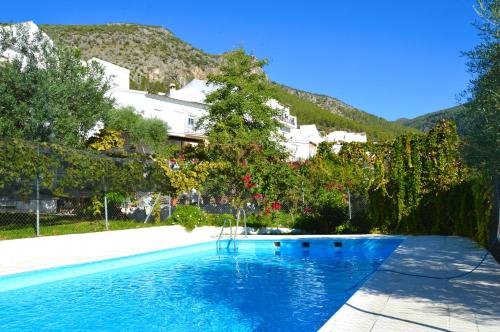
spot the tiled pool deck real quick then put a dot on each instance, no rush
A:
(386, 302)
(394, 302)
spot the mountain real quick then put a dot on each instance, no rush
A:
(376, 126)
(427, 121)
(156, 58)
(153, 54)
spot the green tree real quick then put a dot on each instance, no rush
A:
(48, 93)
(243, 129)
(484, 92)
(152, 133)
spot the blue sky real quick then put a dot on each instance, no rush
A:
(392, 58)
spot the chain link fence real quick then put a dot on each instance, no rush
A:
(47, 190)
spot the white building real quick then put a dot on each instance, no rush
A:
(302, 142)
(339, 137)
(31, 29)
(181, 116)
(197, 90)
(182, 108)
(119, 76)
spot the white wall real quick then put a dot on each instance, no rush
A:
(119, 77)
(31, 29)
(174, 114)
(344, 136)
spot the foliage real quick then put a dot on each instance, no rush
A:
(107, 139)
(188, 216)
(243, 128)
(140, 132)
(47, 93)
(218, 219)
(182, 176)
(96, 207)
(417, 184)
(152, 87)
(66, 172)
(483, 116)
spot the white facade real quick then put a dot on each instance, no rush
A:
(344, 136)
(31, 29)
(181, 116)
(339, 137)
(302, 142)
(118, 77)
(195, 91)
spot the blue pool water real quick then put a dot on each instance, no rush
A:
(261, 287)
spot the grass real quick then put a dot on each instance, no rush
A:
(22, 225)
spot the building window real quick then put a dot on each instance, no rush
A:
(191, 122)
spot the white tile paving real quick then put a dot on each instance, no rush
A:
(393, 302)
(44, 252)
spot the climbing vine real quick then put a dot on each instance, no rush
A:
(418, 184)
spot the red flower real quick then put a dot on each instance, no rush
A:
(247, 179)
(258, 196)
(181, 157)
(276, 205)
(244, 163)
(267, 211)
(250, 185)
(308, 210)
(172, 160)
(194, 161)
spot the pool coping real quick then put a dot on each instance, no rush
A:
(41, 276)
(30, 254)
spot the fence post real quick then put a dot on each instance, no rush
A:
(106, 210)
(37, 195)
(152, 208)
(349, 197)
(169, 206)
(303, 196)
(37, 205)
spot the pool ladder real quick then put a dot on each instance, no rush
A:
(232, 238)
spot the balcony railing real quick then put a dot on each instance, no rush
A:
(292, 120)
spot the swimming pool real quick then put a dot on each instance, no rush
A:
(266, 285)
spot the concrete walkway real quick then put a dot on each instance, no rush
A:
(394, 302)
(50, 251)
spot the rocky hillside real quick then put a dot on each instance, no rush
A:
(151, 53)
(347, 111)
(156, 58)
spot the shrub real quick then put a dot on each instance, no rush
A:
(218, 219)
(273, 219)
(189, 217)
(346, 229)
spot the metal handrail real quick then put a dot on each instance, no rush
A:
(245, 222)
(230, 233)
(220, 235)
